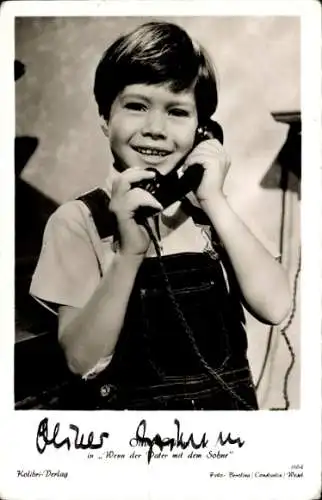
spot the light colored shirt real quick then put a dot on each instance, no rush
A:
(72, 254)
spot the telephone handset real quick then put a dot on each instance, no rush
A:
(170, 188)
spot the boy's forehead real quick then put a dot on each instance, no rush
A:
(161, 89)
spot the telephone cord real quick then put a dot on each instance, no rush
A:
(284, 184)
(287, 340)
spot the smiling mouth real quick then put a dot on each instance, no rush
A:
(152, 151)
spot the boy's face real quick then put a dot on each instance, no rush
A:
(152, 126)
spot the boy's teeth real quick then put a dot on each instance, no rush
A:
(154, 152)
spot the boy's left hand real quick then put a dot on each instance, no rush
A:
(216, 162)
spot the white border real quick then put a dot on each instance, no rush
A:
(151, 7)
(297, 432)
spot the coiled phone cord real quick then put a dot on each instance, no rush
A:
(288, 343)
(287, 340)
(284, 185)
(184, 323)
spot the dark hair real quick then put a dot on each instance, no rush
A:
(153, 53)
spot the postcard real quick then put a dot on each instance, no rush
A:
(161, 257)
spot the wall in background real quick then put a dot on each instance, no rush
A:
(258, 64)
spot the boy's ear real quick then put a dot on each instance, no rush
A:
(104, 126)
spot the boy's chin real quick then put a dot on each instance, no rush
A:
(164, 169)
(167, 169)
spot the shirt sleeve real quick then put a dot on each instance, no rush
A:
(67, 271)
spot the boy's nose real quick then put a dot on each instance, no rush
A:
(154, 124)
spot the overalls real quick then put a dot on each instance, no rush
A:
(182, 354)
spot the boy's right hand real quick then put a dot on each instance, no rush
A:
(125, 200)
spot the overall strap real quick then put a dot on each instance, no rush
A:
(97, 201)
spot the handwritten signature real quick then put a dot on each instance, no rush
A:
(78, 440)
(141, 439)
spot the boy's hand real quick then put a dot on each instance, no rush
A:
(216, 162)
(125, 200)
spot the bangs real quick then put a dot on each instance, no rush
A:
(156, 53)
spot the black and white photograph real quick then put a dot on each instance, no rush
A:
(149, 308)
(164, 180)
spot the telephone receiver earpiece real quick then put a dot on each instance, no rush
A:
(169, 188)
(210, 130)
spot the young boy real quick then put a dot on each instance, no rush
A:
(148, 331)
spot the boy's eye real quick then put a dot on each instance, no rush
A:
(135, 106)
(178, 112)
